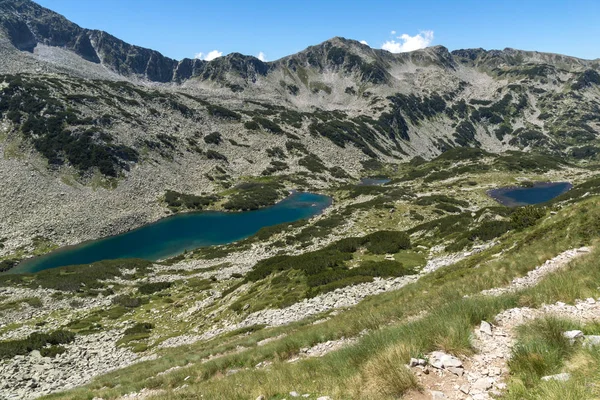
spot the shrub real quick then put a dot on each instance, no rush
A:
(251, 196)
(276, 166)
(416, 216)
(5, 265)
(325, 269)
(34, 302)
(149, 288)
(296, 146)
(586, 79)
(127, 301)
(215, 155)
(458, 245)
(429, 200)
(489, 230)
(252, 125)
(448, 208)
(140, 327)
(465, 134)
(139, 331)
(339, 172)
(381, 268)
(312, 163)
(524, 217)
(383, 242)
(267, 125)
(213, 138)
(190, 201)
(223, 112)
(35, 341)
(276, 152)
(79, 278)
(52, 351)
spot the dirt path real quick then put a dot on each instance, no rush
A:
(482, 376)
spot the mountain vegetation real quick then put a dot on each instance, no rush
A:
(99, 137)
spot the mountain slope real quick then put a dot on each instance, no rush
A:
(87, 119)
(98, 136)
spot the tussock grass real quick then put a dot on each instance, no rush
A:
(446, 320)
(582, 363)
(540, 350)
(385, 375)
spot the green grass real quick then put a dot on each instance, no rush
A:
(79, 278)
(540, 349)
(354, 372)
(35, 302)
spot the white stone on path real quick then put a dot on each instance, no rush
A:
(486, 328)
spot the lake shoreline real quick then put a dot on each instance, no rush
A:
(324, 201)
(501, 195)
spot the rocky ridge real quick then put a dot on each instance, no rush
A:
(343, 102)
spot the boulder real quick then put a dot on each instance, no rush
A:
(417, 362)
(482, 384)
(572, 335)
(486, 328)
(441, 360)
(591, 340)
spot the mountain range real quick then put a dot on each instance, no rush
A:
(88, 115)
(419, 274)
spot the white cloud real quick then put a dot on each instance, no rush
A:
(364, 42)
(392, 32)
(261, 56)
(210, 56)
(409, 43)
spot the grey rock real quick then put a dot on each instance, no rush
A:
(486, 328)
(563, 377)
(450, 361)
(458, 371)
(572, 335)
(591, 340)
(35, 354)
(482, 384)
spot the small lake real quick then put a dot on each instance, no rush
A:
(171, 236)
(373, 181)
(540, 192)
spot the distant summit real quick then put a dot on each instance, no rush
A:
(26, 24)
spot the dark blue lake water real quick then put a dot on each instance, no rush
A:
(541, 192)
(171, 236)
(373, 181)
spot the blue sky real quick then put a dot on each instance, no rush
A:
(186, 28)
